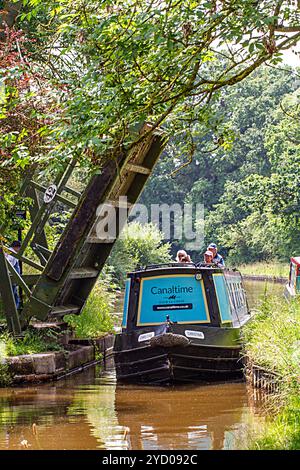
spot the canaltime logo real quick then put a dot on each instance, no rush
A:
(171, 290)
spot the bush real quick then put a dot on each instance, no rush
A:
(96, 317)
(139, 245)
(32, 342)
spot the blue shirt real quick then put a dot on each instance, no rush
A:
(218, 259)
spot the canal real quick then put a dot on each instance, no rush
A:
(89, 411)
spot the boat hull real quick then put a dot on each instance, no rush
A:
(218, 360)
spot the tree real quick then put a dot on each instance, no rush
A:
(28, 104)
(258, 217)
(216, 176)
(113, 65)
(130, 61)
(138, 246)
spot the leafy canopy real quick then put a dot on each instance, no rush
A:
(124, 62)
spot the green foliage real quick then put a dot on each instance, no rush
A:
(28, 102)
(272, 338)
(264, 268)
(32, 342)
(258, 217)
(56, 226)
(96, 317)
(125, 62)
(5, 377)
(82, 77)
(281, 432)
(231, 183)
(138, 245)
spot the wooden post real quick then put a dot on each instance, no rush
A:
(6, 291)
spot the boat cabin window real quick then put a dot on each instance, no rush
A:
(181, 297)
(230, 295)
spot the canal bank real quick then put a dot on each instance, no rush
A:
(48, 351)
(265, 278)
(271, 345)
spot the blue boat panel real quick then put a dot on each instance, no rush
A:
(223, 298)
(126, 302)
(182, 297)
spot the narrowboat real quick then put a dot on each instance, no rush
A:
(181, 323)
(292, 288)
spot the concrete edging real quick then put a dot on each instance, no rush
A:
(48, 366)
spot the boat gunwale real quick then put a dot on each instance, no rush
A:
(211, 346)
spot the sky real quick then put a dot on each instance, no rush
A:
(290, 58)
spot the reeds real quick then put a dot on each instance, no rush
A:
(272, 341)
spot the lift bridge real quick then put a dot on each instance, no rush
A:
(66, 275)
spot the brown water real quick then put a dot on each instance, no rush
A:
(89, 411)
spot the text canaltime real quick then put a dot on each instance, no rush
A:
(171, 290)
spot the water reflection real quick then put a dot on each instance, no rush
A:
(193, 417)
(88, 412)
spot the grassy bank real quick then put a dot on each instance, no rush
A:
(274, 269)
(272, 341)
(282, 431)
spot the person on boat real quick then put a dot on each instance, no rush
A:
(217, 258)
(208, 257)
(15, 247)
(183, 257)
